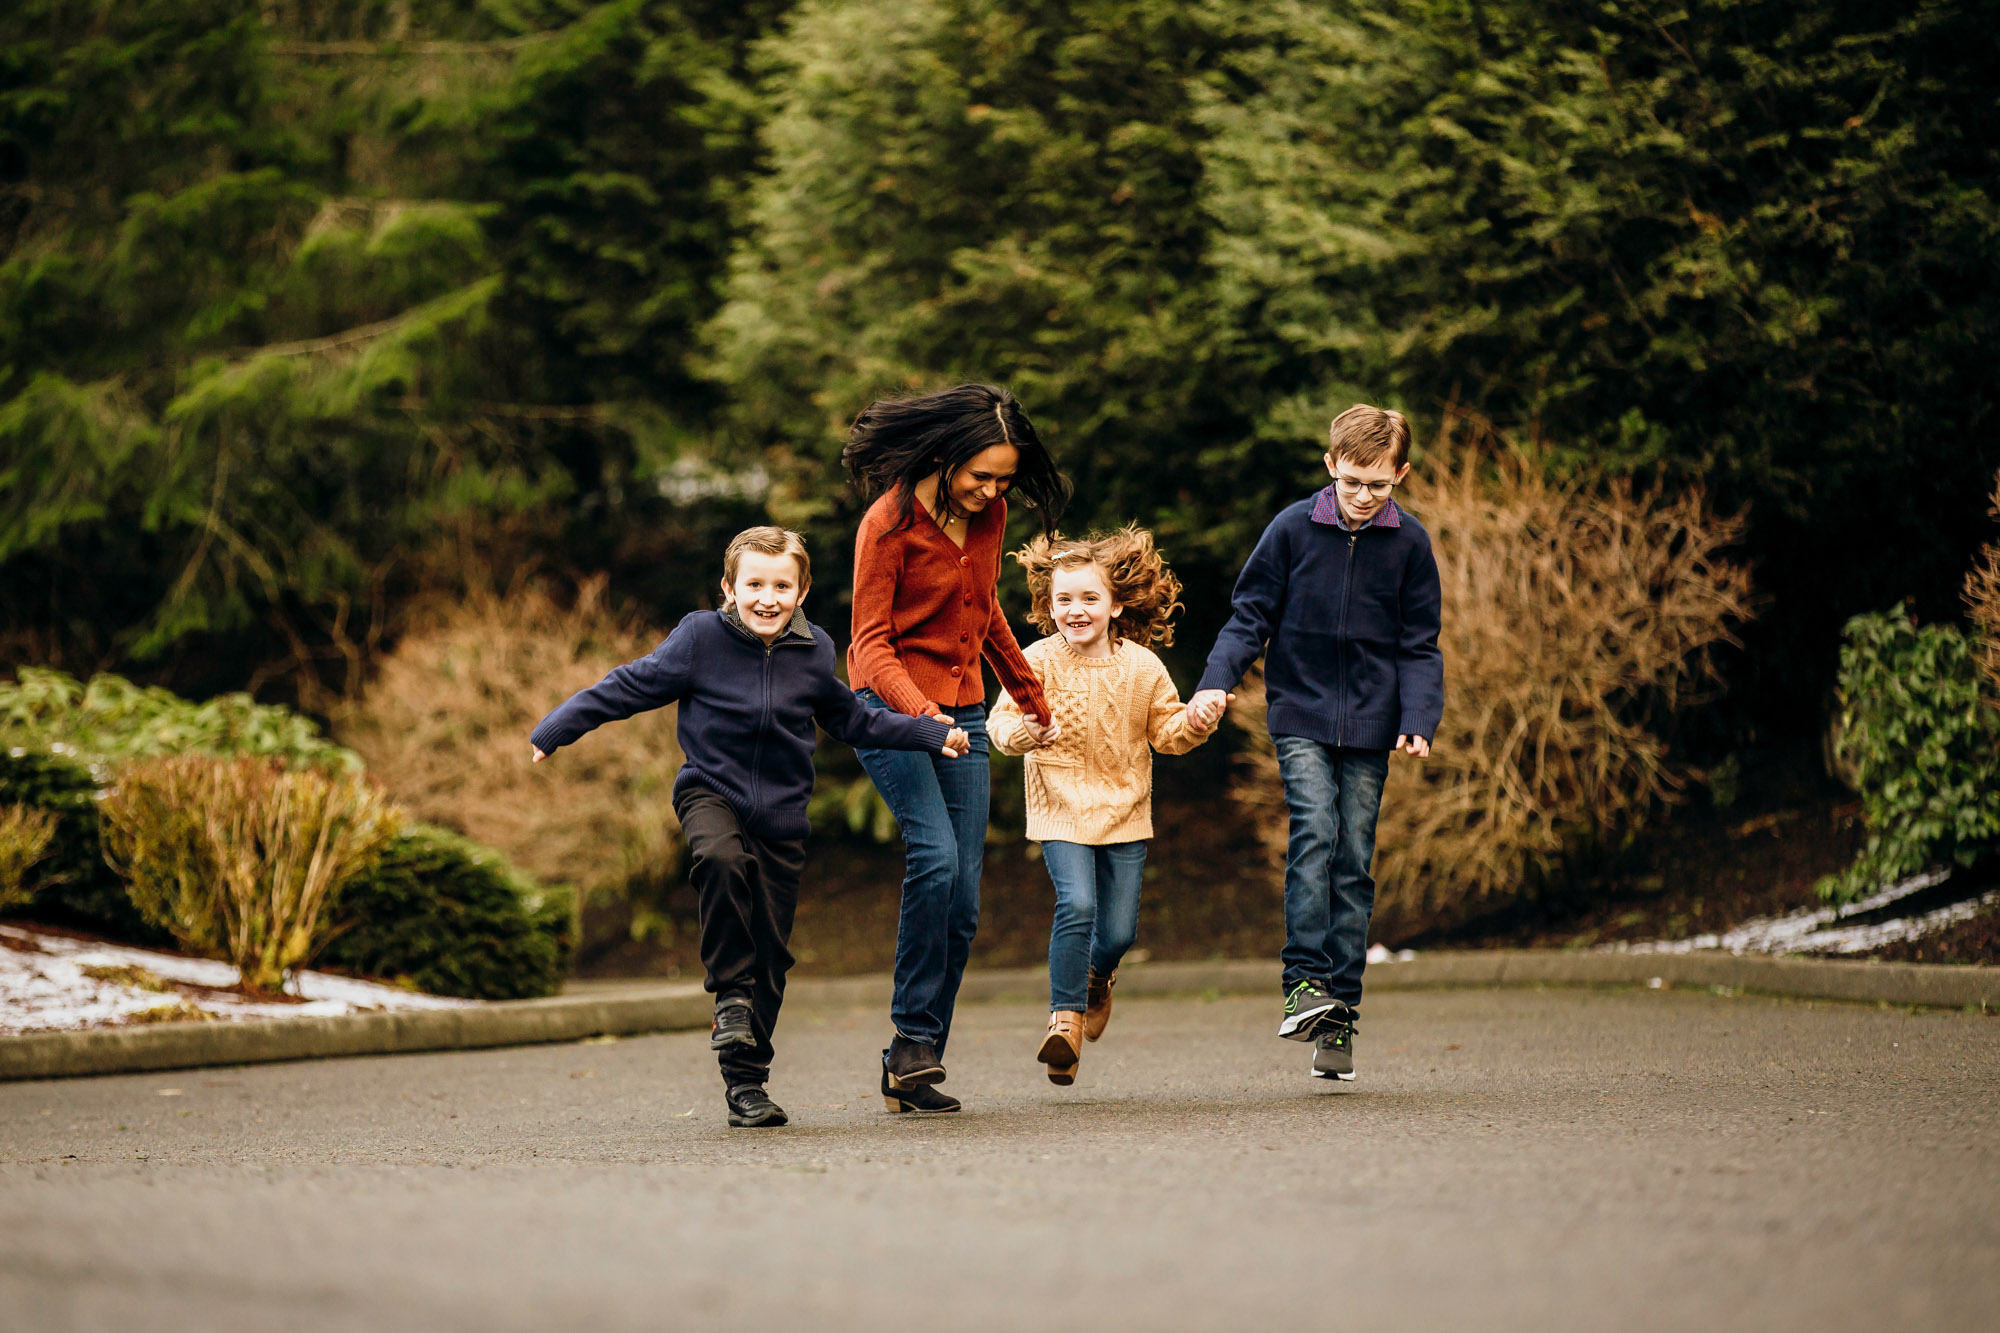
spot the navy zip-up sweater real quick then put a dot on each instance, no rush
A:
(1351, 622)
(746, 714)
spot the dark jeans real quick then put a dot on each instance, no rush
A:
(940, 804)
(1334, 795)
(748, 891)
(1097, 914)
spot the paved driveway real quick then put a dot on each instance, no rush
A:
(1510, 1159)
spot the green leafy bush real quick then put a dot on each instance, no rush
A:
(25, 833)
(110, 719)
(1924, 747)
(74, 885)
(450, 917)
(60, 737)
(241, 857)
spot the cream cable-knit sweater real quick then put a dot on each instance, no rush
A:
(1094, 784)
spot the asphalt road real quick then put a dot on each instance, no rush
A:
(1510, 1159)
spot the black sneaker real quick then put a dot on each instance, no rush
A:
(908, 1064)
(1306, 1006)
(1333, 1048)
(732, 1025)
(919, 1098)
(750, 1107)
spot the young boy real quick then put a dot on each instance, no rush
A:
(751, 680)
(1344, 591)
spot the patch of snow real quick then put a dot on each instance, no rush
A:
(45, 987)
(1818, 930)
(1382, 953)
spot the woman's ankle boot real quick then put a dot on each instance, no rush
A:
(1097, 1005)
(1062, 1049)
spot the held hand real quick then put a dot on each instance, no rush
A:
(1416, 745)
(1208, 706)
(539, 756)
(957, 744)
(1040, 732)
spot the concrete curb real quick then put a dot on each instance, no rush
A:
(623, 1008)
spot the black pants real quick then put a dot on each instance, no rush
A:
(748, 891)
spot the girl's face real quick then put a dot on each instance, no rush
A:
(1083, 609)
(983, 478)
(766, 592)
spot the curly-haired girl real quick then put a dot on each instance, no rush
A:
(1103, 602)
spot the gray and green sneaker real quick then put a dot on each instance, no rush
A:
(1306, 1004)
(1333, 1048)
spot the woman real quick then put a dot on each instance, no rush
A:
(926, 570)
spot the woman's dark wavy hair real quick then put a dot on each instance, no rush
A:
(897, 442)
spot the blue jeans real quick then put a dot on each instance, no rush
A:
(1334, 795)
(1097, 914)
(941, 806)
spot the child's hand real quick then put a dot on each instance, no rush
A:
(1041, 733)
(1207, 707)
(1416, 745)
(539, 756)
(957, 743)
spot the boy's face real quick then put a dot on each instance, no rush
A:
(765, 593)
(1351, 483)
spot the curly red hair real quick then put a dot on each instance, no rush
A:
(1133, 569)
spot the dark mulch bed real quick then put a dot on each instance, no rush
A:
(1974, 941)
(1211, 891)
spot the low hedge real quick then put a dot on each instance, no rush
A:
(438, 912)
(450, 917)
(74, 886)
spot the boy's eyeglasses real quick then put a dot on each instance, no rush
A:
(1354, 486)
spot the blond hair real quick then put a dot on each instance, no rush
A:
(767, 540)
(1365, 436)
(1133, 570)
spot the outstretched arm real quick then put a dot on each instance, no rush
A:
(1016, 673)
(654, 681)
(1259, 597)
(846, 718)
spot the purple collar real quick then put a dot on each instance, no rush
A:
(1326, 509)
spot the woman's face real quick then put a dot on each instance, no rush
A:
(983, 478)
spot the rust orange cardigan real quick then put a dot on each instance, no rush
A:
(925, 612)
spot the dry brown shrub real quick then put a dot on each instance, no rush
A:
(1982, 596)
(445, 722)
(241, 858)
(25, 832)
(1574, 617)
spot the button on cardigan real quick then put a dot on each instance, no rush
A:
(925, 611)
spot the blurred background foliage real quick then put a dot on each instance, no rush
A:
(312, 315)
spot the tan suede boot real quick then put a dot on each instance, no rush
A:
(1062, 1049)
(1097, 1005)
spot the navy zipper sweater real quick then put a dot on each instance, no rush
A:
(1351, 622)
(747, 714)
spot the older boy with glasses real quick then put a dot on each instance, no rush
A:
(1341, 596)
